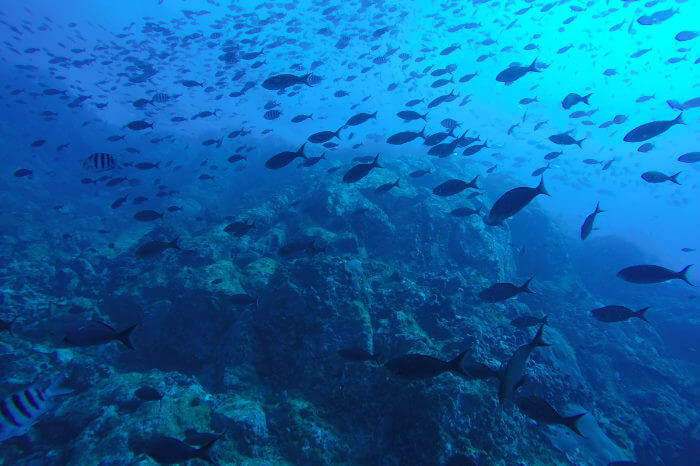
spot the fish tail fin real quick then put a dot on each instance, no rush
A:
(305, 79)
(125, 335)
(173, 243)
(455, 365)
(525, 287)
(300, 152)
(544, 320)
(538, 341)
(541, 189)
(55, 389)
(683, 274)
(485, 141)
(674, 178)
(598, 209)
(472, 183)
(422, 132)
(679, 119)
(424, 116)
(204, 452)
(397, 182)
(572, 423)
(323, 156)
(375, 162)
(585, 98)
(533, 66)
(578, 143)
(337, 133)
(640, 314)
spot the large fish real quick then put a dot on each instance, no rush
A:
(646, 274)
(361, 170)
(616, 313)
(587, 226)
(280, 82)
(21, 410)
(94, 332)
(513, 73)
(502, 291)
(420, 366)
(513, 202)
(284, 158)
(511, 376)
(539, 410)
(652, 129)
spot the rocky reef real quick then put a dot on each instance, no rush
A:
(393, 274)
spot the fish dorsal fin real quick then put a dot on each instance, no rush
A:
(105, 325)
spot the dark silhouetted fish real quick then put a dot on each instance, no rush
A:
(690, 157)
(284, 158)
(282, 81)
(658, 177)
(587, 226)
(299, 248)
(324, 136)
(361, 170)
(360, 118)
(572, 99)
(652, 129)
(565, 139)
(454, 186)
(100, 161)
(646, 274)
(139, 125)
(169, 450)
(419, 173)
(404, 137)
(515, 72)
(513, 202)
(618, 314)
(420, 366)
(22, 172)
(539, 410)
(147, 393)
(512, 375)
(386, 187)
(155, 247)
(239, 228)
(147, 215)
(501, 291)
(528, 321)
(94, 332)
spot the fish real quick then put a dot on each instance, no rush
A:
(169, 450)
(420, 366)
(280, 82)
(419, 173)
(528, 321)
(541, 170)
(139, 125)
(21, 410)
(515, 72)
(146, 165)
(552, 155)
(471, 150)
(95, 332)
(358, 354)
(300, 118)
(652, 129)
(360, 118)
(587, 226)
(22, 172)
(511, 377)
(324, 136)
(690, 157)
(539, 410)
(646, 147)
(147, 393)
(152, 248)
(501, 291)
(572, 99)
(239, 229)
(658, 177)
(284, 158)
(616, 313)
(646, 274)
(298, 248)
(565, 139)
(404, 137)
(116, 204)
(147, 215)
(100, 161)
(359, 171)
(386, 187)
(409, 115)
(454, 186)
(513, 202)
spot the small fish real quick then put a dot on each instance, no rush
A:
(454, 186)
(501, 291)
(22, 172)
(169, 450)
(386, 187)
(587, 226)
(565, 139)
(515, 72)
(511, 377)
(155, 247)
(139, 125)
(658, 177)
(513, 202)
(420, 366)
(116, 204)
(147, 393)
(359, 171)
(94, 332)
(147, 215)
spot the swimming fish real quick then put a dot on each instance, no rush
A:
(511, 377)
(361, 170)
(618, 314)
(154, 247)
(513, 202)
(539, 410)
(652, 129)
(646, 274)
(420, 366)
(515, 72)
(501, 291)
(587, 226)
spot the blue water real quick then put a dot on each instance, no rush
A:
(250, 327)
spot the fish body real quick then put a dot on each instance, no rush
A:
(513, 202)
(454, 186)
(652, 129)
(511, 376)
(361, 170)
(282, 81)
(94, 332)
(572, 99)
(515, 72)
(587, 226)
(539, 410)
(284, 158)
(155, 247)
(646, 274)
(658, 177)
(420, 366)
(21, 410)
(565, 139)
(501, 291)
(616, 313)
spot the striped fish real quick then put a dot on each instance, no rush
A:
(100, 161)
(160, 98)
(21, 410)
